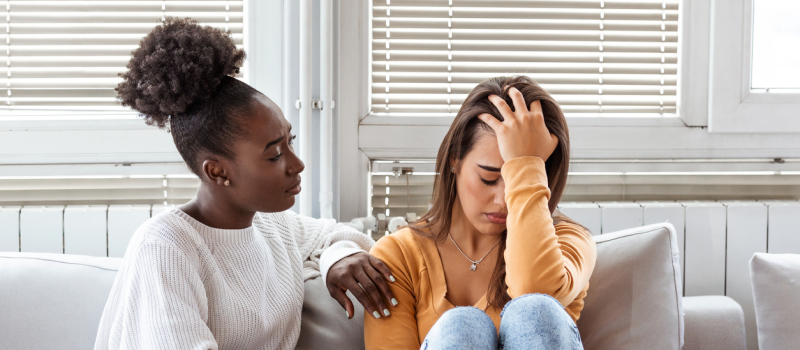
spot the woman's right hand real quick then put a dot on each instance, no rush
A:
(522, 133)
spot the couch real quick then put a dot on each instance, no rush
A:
(54, 301)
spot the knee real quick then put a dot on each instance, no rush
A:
(468, 317)
(533, 306)
(468, 326)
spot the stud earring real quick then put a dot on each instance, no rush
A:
(227, 183)
(453, 169)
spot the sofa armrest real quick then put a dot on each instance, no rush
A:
(713, 322)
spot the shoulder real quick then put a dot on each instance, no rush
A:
(403, 239)
(165, 233)
(401, 248)
(166, 227)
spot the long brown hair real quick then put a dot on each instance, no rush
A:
(435, 224)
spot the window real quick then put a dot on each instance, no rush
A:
(754, 50)
(64, 139)
(623, 155)
(401, 188)
(776, 44)
(66, 55)
(595, 57)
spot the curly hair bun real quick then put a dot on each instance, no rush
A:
(176, 65)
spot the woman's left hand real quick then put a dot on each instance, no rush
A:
(522, 133)
(365, 276)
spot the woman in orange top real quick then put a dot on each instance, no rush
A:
(492, 239)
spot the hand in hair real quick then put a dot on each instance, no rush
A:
(522, 133)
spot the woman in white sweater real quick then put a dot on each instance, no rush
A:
(226, 270)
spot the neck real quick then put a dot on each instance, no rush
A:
(471, 241)
(217, 211)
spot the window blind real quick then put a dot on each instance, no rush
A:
(399, 195)
(80, 190)
(594, 56)
(401, 187)
(66, 55)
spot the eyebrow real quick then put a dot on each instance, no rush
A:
(271, 143)
(276, 140)
(489, 168)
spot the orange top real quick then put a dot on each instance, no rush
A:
(540, 258)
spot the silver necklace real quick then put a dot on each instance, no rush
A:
(474, 265)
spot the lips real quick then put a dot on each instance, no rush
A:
(295, 188)
(497, 218)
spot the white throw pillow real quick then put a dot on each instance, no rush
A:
(634, 298)
(776, 294)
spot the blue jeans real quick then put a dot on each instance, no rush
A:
(531, 322)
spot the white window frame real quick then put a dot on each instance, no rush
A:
(631, 138)
(734, 106)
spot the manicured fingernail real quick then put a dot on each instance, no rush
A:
(386, 312)
(347, 313)
(391, 278)
(394, 301)
(376, 314)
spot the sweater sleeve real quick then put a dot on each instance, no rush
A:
(398, 331)
(539, 257)
(157, 302)
(323, 242)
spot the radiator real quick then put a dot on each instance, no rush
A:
(716, 239)
(95, 230)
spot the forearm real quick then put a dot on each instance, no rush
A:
(538, 260)
(323, 242)
(341, 245)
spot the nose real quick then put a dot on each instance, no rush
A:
(500, 195)
(296, 165)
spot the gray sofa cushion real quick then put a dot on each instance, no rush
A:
(325, 324)
(776, 282)
(713, 322)
(634, 297)
(52, 301)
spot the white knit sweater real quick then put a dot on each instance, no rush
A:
(184, 285)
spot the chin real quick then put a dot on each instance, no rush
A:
(289, 203)
(492, 229)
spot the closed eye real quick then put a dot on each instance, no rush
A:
(290, 142)
(490, 183)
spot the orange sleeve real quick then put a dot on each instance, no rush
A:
(399, 330)
(539, 258)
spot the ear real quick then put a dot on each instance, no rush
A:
(454, 164)
(215, 171)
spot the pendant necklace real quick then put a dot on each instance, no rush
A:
(474, 265)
